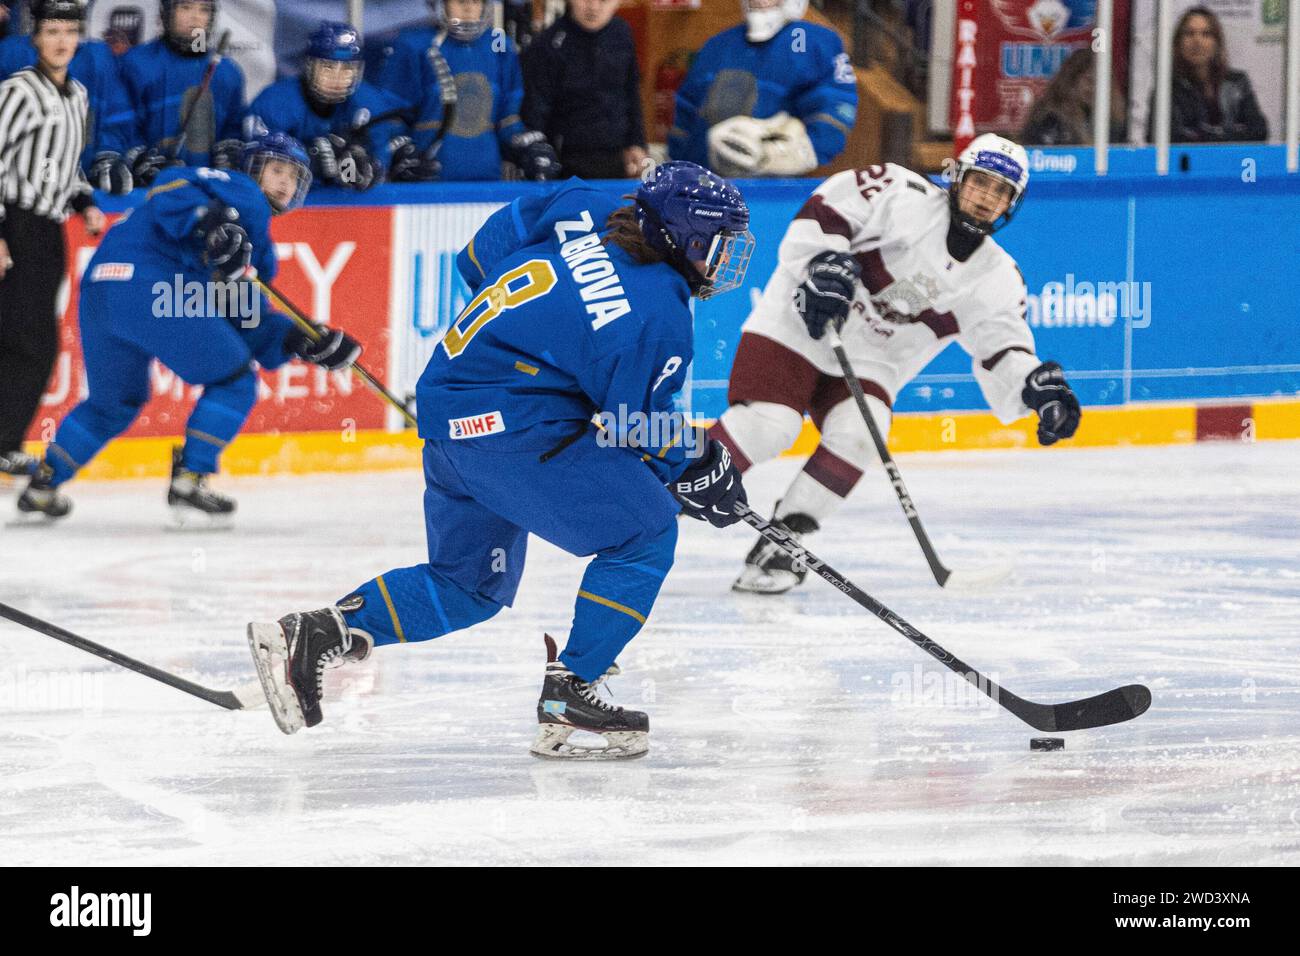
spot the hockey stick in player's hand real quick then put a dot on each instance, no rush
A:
(309, 328)
(1113, 707)
(943, 575)
(242, 698)
(213, 62)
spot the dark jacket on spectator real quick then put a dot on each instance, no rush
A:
(582, 89)
(1235, 117)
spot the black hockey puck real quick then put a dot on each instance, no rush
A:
(1047, 743)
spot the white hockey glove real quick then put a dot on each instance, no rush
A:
(776, 146)
(736, 146)
(787, 150)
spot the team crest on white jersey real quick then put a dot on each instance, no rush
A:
(904, 299)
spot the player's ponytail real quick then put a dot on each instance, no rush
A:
(625, 232)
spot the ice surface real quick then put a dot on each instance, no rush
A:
(786, 730)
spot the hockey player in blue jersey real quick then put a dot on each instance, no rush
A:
(165, 284)
(489, 88)
(163, 80)
(773, 96)
(111, 122)
(581, 305)
(353, 130)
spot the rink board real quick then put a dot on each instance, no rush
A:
(1164, 299)
(381, 450)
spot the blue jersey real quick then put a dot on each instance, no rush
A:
(490, 93)
(808, 76)
(561, 327)
(162, 84)
(111, 123)
(157, 243)
(284, 108)
(160, 234)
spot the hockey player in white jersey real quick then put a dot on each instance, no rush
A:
(902, 269)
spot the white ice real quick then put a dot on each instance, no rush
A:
(785, 730)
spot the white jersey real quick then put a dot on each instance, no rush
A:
(913, 298)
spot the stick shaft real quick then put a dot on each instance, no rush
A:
(220, 698)
(941, 573)
(204, 84)
(303, 322)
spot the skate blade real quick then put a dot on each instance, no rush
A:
(271, 655)
(755, 580)
(552, 743)
(185, 518)
(32, 519)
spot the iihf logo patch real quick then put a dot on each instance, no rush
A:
(489, 423)
(112, 272)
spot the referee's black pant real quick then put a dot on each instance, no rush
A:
(29, 329)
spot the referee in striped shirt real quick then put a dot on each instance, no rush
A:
(42, 134)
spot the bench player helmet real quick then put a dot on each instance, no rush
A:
(57, 10)
(764, 19)
(333, 50)
(185, 44)
(278, 147)
(464, 30)
(1000, 158)
(691, 215)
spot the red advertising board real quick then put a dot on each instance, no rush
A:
(334, 264)
(1007, 51)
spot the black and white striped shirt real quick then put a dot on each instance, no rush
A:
(42, 135)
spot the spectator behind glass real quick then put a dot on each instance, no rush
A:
(582, 90)
(1210, 103)
(1062, 115)
(774, 96)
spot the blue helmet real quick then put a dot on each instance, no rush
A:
(269, 147)
(692, 215)
(333, 48)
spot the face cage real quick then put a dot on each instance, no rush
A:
(467, 31)
(256, 167)
(726, 263)
(979, 225)
(315, 63)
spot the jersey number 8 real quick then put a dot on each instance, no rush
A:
(522, 283)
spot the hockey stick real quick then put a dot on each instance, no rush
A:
(303, 322)
(242, 698)
(943, 575)
(1112, 707)
(447, 93)
(206, 82)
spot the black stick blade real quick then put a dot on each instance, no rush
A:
(1113, 707)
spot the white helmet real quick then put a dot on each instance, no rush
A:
(1000, 158)
(765, 18)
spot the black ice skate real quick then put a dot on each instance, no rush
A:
(291, 656)
(189, 497)
(569, 703)
(18, 464)
(41, 498)
(768, 569)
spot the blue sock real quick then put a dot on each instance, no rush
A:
(617, 592)
(413, 604)
(220, 413)
(88, 428)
